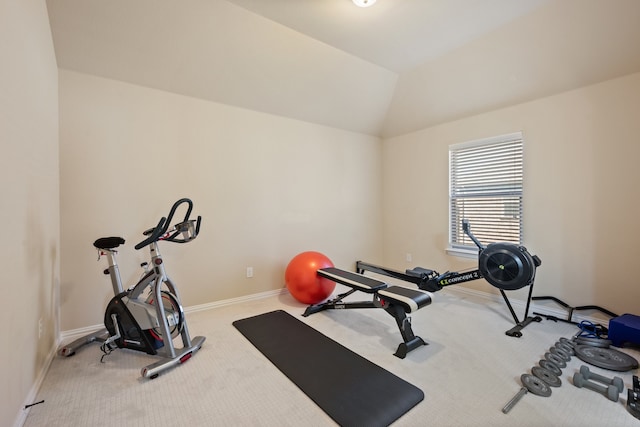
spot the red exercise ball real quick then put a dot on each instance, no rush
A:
(303, 282)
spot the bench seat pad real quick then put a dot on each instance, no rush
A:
(354, 280)
(410, 299)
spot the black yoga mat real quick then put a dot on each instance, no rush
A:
(349, 388)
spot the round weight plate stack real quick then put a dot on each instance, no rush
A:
(557, 360)
(535, 385)
(507, 266)
(594, 342)
(606, 358)
(547, 376)
(560, 352)
(566, 347)
(550, 366)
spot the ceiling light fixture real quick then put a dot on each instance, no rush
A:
(364, 3)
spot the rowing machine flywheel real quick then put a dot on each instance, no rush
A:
(507, 266)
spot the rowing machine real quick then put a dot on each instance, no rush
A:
(506, 266)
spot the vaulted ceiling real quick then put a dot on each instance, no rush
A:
(392, 68)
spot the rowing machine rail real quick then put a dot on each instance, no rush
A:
(431, 281)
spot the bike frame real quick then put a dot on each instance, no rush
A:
(140, 311)
(155, 278)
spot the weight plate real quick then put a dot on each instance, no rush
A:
(547, 376)
(566, 341)
(594, 342)
(560, 352)
(566, 347)
(535, 385)
(556, 359)
(507, 266)
(546, 364)
(606, 358)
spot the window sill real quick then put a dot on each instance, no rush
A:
(462, 253)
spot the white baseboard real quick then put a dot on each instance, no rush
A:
(237, 300)
(73, 334)
(33, 393)
(68, 336)
(520, 305)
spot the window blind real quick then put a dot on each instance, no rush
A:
(486, 188)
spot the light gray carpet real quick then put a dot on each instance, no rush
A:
(468, 372)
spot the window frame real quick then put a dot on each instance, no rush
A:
(469, 250)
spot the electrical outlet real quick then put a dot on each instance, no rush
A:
(40, 328)
(249, 272)
(408, 257)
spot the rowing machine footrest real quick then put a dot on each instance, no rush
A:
(409, 299)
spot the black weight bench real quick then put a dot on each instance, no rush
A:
(395, 300)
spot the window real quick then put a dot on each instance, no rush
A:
(485, 187)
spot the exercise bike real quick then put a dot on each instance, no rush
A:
(147, 316)
(506, 266)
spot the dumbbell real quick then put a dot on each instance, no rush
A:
(610, 392)
(615, 381)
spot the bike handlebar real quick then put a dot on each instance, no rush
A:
(156, 233)
(185, 227)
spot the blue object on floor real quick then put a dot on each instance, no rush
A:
(625, 329)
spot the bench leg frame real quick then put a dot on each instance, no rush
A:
(411, 342)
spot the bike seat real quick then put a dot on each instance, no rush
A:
(108, 242)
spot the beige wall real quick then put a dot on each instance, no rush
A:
(29, 216)
(581, 205)
(267, 188)
(528, 58)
